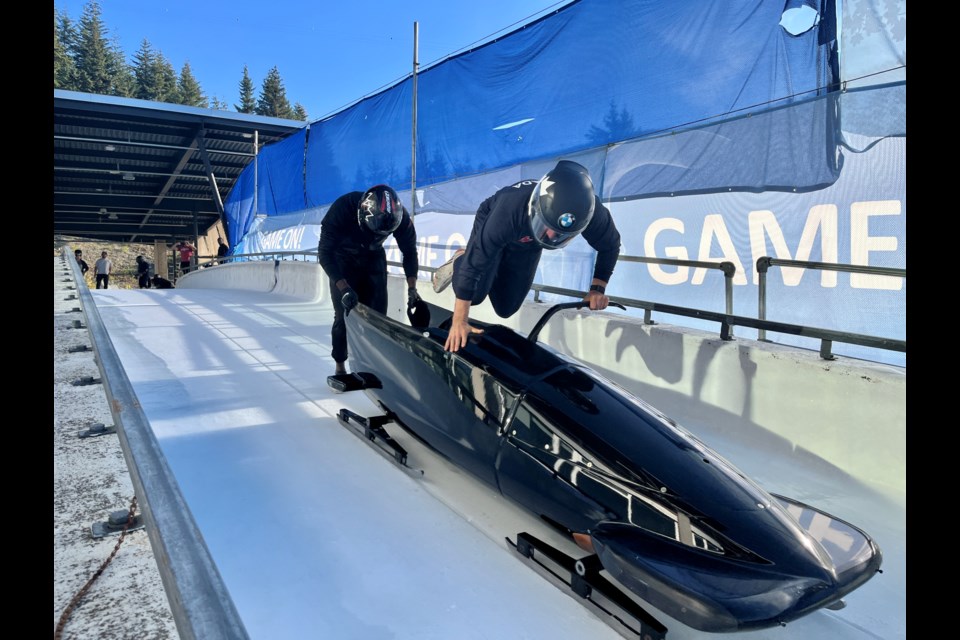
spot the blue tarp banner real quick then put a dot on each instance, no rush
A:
(593, 73)
(714, 131)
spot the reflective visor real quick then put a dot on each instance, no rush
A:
(546, 236)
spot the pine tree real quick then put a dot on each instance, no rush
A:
(299, 113)
(247, 103)
(166, 79)
(188, 89)
(218, 104)
(124, 83)
(144, 71)
(93, 56)
(64, 39)
(273, 97)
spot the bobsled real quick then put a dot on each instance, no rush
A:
(668, 518)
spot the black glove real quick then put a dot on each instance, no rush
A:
(412, 297)
(348, 300)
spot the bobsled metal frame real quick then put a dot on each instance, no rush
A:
(371, 429)
(583, 578)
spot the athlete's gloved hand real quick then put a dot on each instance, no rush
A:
(348, 300)
(412, 297)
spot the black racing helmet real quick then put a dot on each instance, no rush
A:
(561, 205)
(380, 210)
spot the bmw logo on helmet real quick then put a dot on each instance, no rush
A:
(566, 220)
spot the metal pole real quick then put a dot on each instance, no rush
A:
(413, 160)
(256, 169)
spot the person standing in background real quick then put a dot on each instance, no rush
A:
(143, 272)
(186, 255)
(222, 250)
(78, 254)
(102, 270)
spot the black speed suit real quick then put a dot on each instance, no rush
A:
(501, 257)
(349, 250)
(143, 274)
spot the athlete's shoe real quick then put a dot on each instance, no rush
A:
(443, 276)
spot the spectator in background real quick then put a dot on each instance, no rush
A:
(222, 250)
(78, 254)
(186, 255)
(143, 272)
(102, 270)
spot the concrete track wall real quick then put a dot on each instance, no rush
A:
(849, 413)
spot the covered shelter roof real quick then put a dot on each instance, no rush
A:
(128, 170)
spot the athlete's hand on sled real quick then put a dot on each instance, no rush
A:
(348, 300)
(597, 300)
(459, 332)
(412, 297)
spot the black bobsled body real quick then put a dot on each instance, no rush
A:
(669, 518)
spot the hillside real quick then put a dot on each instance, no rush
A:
(123, 254)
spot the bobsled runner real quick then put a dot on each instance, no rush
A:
(667, 518)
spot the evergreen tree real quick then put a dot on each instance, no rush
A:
(188, 89)
(64, 39)
(93, 53)
(273, 97)
(299, 113)
(166, 79)
(247, 103)
(124, 82)
(218, 104)
(144, 71)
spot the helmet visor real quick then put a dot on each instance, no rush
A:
(545, 235)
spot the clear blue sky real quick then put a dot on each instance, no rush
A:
(329, 54)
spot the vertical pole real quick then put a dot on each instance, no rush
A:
(413, 160)
(256, 170)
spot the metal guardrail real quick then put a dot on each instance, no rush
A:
(726, 320)
(765, 262)
(210, 261)
(729, 270)
(201, 605)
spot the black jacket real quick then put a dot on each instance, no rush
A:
(501, 220)
(344, 241)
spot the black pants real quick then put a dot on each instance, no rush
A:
(509, 284)
(144, 281)
(104, 278)
(184, 266)
(367, 276)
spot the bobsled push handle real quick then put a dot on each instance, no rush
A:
(579, 304)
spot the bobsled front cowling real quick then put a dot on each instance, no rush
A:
(712, 593)
(669, 518)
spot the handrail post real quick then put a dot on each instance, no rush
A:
(763, 264)
(729, 270)
(826, 347)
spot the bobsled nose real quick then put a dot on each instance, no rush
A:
(704, 590)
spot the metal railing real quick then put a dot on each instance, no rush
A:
(729, 270)
(764, 263)
(209, 261)
(728, 320)
(201, 605)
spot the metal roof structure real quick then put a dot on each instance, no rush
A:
(127, 170)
